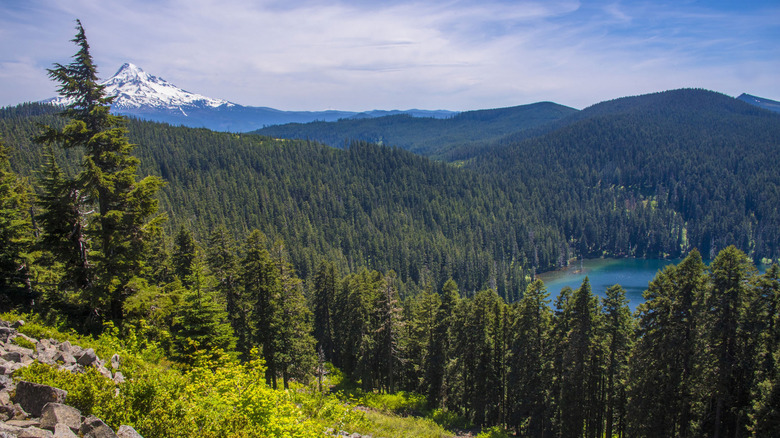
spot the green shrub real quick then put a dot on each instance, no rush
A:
(493, 432)
(22, 342)
(450, 420)
(401, 402)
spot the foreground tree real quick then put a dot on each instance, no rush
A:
(124, 207)
(618, 331)
(668, 353)
(530, 362)
(731, 366)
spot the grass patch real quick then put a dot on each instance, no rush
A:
(391, 425)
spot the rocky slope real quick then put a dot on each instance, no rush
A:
(31, 410)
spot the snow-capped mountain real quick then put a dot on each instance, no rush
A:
(149, 97)
(135, 89)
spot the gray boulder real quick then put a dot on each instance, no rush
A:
(32, 397)
(64, 357)
(13, 411)
(46, 355)
(94, 427)
(10, 430)
(102, 370)
(13, 356)
(6, 382)
(5, 333)
(65, 346)
(34, 432)
(57, 413)
(63, 431)
(125, 431)
(88, 357)
(115, 361)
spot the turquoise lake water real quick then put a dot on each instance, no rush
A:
(632, 274)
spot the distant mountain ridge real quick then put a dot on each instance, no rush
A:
(771, 105)
(145, 96)
(428, 136)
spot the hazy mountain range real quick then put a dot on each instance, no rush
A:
(145, 96)
(430, 132)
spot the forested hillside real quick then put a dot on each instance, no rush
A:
(698, 156)
(651, 176)
(364, 206)
(427, 136)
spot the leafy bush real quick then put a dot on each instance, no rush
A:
(450, 420)
(401, 402)
(22, 342)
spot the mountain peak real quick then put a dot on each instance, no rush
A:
(129, 71)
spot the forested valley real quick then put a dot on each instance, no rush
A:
(299, 262)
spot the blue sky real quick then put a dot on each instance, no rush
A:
(361, 55)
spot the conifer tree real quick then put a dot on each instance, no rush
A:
(580, 366)
(184, 255)
(325, 287)
(295, 353)
(440, 348)
(224, 266)
(731, 368)
(388, 331)
(765, 415)
(123, 205)
(668, 353)
(529, 362)
(419, 314)
(15, 228)
(618, 331)
(262, 289)
(200, 323)
(64, 222)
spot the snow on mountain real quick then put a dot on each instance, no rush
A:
(134, 88)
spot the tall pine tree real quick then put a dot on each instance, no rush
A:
(124, 207)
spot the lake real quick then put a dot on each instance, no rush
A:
(633, 274)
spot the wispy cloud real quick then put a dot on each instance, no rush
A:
(360, 55)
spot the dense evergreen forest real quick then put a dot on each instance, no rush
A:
(409, 274)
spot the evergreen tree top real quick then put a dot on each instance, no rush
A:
(79, 82)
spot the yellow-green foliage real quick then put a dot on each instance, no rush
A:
(493, 432)
(226, 399)
(222, 398)
(450, 420)
(216, 398)
(24, 343)
(401, 402)
(390, 425)
(328, 410)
